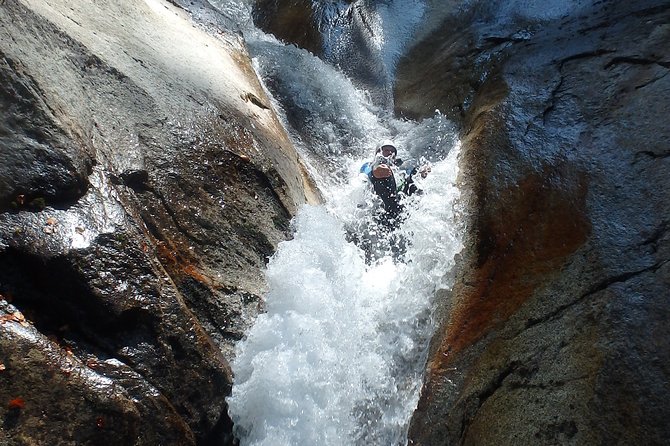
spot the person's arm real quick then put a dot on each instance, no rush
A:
(382, 171)
(424, 170)
(380, 168)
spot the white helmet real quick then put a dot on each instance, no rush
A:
(389, 143)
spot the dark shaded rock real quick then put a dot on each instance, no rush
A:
(460, 55)
(553, 333)
(39, 164)
(108, 303)
(214, 225)
(45, 391)
(292, 21)
(337, 32)
(137, 180)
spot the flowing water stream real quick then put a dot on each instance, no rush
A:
(338, 357)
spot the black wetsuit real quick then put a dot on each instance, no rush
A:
(386, 189)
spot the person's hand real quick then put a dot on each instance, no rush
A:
(382, 171)
(424, 171)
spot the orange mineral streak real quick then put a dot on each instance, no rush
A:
(529, 233)
(16, 403)
(180, 265)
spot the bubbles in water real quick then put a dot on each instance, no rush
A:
(338, 357)
(291, 369)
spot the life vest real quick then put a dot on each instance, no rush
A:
(367, 168)
(400, 175)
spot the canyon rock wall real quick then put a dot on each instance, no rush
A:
(556, 330)
(144, 181)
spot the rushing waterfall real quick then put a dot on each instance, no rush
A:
(338, 356)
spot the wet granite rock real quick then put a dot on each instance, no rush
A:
(39, 163)
(144, 182)
(341, 33)
(292, 21)
(51, 395)
(554, 332)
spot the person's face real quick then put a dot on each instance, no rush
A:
(387, 151)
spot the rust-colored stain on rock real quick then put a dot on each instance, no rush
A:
(179, 265)
(528, 232)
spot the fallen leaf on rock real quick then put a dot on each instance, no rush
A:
(49, 228)
(17, 403)
(17, 316)
(7, 317)
(20, 318)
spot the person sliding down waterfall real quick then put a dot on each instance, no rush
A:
(391, 181)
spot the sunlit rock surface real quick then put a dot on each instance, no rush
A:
(144, 181)
(556, 332)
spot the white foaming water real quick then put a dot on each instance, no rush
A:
(338, 356)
